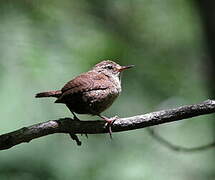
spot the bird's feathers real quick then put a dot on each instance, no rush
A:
(83, 83)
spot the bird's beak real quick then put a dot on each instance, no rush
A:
(122, 68)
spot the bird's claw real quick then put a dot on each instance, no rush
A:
(109, 122)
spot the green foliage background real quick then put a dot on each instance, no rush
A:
(46, 43)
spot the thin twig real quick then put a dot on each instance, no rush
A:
(178, 148)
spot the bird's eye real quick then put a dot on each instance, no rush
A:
(109, 67)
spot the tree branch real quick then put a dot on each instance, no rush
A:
(72, 127)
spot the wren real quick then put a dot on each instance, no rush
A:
(91, 92)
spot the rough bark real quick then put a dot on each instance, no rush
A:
(72, 127)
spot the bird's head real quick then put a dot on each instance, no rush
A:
(110, 68)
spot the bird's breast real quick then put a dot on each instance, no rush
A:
(99, 100)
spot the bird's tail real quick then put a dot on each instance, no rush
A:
(49, 94)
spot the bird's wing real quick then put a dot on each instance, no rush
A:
(85, 82)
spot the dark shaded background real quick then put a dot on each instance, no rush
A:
(43, 44)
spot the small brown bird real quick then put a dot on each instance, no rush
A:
(91, 92)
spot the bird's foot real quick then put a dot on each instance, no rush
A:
(109, 122)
